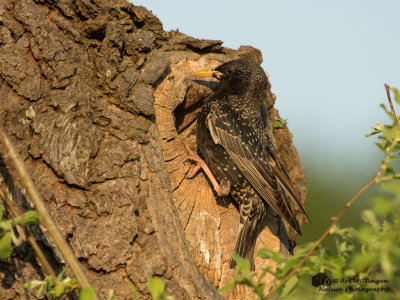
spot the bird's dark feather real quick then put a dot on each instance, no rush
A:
(241, 141)
(277, 165)
(233, 138)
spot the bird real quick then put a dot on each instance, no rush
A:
(238, 155)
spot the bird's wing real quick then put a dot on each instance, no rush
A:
(242, 142)
(277, 165)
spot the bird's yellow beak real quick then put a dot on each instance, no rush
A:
(208, 73)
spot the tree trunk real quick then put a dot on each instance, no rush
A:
(99, 100)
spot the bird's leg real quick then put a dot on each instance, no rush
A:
(222, 189)
(193, 172)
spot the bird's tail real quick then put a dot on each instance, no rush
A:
(247, 235)
(246, 241)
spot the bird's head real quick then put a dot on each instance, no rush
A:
(239, 76)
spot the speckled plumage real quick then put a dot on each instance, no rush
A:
(232, 137)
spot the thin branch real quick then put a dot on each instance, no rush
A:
(376, 178)
(386, 178)
(330, 228)
(46, 218)
(31, 240)
(327, 231)
(387, 87)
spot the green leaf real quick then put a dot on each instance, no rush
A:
(61, 275)
(31, 216)
(267, 253)
(6, 225)
(360, 261)
(366, 233)
(388, 112)
(383, 149)
(396, 94)
(228, 286)
(391, 186)
(156, 287)
(375, 130)
(33, 283)
(389, 169)
(41, 289)
(382, 205)
(246, 280)
(50, 281)
(110, 295)
(369, 217)
(342, 247)
(72, 281)
(280, 123)
(259, 290)
(134, 292)
(301, 251)
(5, 246)
(289, 265)
(391, 133)
(86, 294)
(290, 284)
(387, 266)
(363, 249)
(347, 296)
(16, 220)
(60, 290)
(264, 272)
(242, 265)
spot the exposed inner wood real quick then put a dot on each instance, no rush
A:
(210, 222)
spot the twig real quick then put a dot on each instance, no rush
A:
(385, 178)
(331, 226)
(29, 238)
(46, 218)
(344, 209)
(327, 231)
(387, 87)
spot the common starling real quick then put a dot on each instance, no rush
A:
(233, 140)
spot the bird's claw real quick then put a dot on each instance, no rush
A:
(190, 155)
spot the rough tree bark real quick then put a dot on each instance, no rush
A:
(99, 100)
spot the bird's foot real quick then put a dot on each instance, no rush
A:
(200, 163)
(222, 189)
